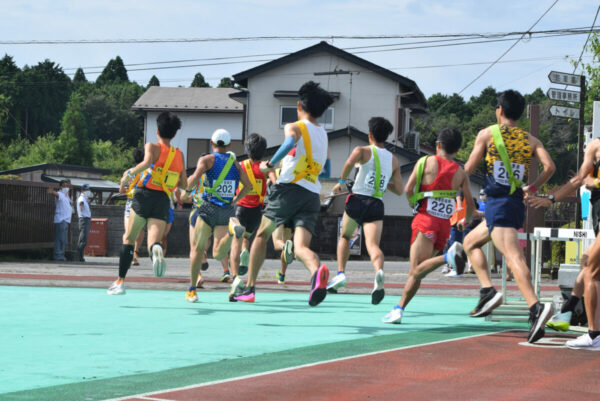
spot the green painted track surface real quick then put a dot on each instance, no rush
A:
(81, 344)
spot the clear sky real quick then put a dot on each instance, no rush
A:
(187, 19)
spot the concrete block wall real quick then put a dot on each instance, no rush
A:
(395, 239)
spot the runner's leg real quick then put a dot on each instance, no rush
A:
(302, 238)
(349, 225)
(372, 232)
(420, 250)
(259, 249)
(198, 243)
(473, 242)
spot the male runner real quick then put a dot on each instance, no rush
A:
(295, 197)
(163, 171)
(379, 170)
(138, 157)
(216, 213)
(508, 150)
(433, 185)
(249, 209)
(590, 261)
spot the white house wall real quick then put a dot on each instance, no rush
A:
(197, 126)
(372, 94)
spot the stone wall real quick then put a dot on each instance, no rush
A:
(395, 239)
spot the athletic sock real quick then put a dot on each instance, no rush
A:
(192, 288)
(338, 273)
(570, 304)
(534, 308)
(593, 334)
(125, 258)
(485, 291)
(398, 307)
(446, 258)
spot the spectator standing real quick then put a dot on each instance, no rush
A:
(62, 218)
(85, 218)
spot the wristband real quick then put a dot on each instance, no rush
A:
(340, 181)
(533, 189)
(269, 164)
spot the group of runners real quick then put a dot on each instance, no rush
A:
(229, 206)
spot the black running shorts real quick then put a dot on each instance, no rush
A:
(364, 209)
(291, 204)
(151, 204)
(249, 217)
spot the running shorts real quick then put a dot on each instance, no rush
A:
(364, 209)
(291, 204)
(151, 204)
(213, 215)
(249, 217)
(506, 211)
(437, 230)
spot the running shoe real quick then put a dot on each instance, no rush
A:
(200, 282)
(318, 289)
(537, 321)
(235, 228)
(237, 287)
(446, 269)
(584, 342)
(280, 277)
(204, 266)
(245, 296)
(159, 265)
(453, 274)
(226, 277)
(487, 304)
(288, 252)
(378, 291)
(244, 261)
(560, 321)
(191, 296)
(338, 281)
(116, 288)
(135, 261)
(395, 316)
(456, 258)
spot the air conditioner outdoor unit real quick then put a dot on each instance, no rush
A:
(411, 141)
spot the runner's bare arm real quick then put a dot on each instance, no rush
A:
(409, 188)
(548, 166)
(151, 153)
(395, 183)
(483, 138)
(245, 181)
(205, 163)
(272, 176)
(355, 157)
(183, 176)
(466, 190)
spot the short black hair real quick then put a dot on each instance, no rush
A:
(168, 124)
(512, 102)
(62, 182)
(255, 146)
(138, 155)
(451, 140)
(380, 128)
(314, 99)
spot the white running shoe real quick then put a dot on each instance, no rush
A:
(446, 269)
(456, 257)
(159, 265)
(244, 260)
(288, 252)
(116, 288)
(338, 281)
(453, 274)
(560, 321)
(395, 316)
(584, 342)
(378, 291)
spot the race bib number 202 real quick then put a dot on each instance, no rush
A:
(226, 189)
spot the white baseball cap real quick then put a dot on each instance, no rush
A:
(221, 135)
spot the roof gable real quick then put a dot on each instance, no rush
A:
(417, 97)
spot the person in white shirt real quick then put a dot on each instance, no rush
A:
(62, 218)
(85, 218)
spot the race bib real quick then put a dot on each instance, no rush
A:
(226, 189)
(303, 166)
(170, 180)
(440, 207)
(370, 182)
(501, 176)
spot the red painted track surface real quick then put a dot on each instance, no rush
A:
(104, 279)
(491, 367)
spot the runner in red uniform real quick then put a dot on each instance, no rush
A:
(433, 185)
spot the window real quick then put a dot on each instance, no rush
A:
(289, 114)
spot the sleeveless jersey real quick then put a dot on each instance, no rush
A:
(254, 199)
(516, 141)
(172, 177)
(442, 208)
(229, 185)
(295, 162)
(364, 184)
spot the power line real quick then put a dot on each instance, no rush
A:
(505, 52)
(586, 41)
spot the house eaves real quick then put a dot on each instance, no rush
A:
(158, 98)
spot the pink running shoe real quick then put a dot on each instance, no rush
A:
(319, 286)
(246, 296)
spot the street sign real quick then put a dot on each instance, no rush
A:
(564, 78)
(567, 112)
(564, 95)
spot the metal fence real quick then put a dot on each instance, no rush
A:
(26, 215)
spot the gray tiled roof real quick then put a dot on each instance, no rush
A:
(193, 99)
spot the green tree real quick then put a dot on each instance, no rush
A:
(153, 81)
(73, 145)
(199, 82)
(226, 83)
(79, 78)
(113, 156)
(114, 72)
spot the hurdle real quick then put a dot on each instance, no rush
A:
(517, 310)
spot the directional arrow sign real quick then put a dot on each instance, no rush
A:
(567, 112)
(564, 95)
(564, 78)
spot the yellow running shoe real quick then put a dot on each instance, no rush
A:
(191, 295)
